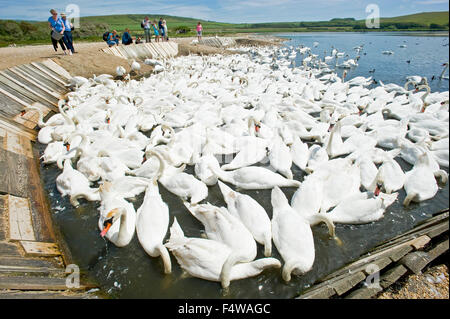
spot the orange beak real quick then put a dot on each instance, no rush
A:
(108, 120)
(22, 113)
(256, 128)
(143, 161)
(68, 147)
(377, 191)
(105, 230)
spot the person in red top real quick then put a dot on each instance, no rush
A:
(199, 31)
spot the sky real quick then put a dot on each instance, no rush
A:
(231, 11)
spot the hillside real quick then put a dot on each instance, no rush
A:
(23, 32)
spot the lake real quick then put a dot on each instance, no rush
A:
(130, 273)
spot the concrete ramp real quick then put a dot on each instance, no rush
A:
(142, 51)
(218, 42)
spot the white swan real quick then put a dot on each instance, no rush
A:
(180, 183)
(73, 183)
(152, 222)
(204, 258)
(420, 183)
(253, 178)
(252, 215)
(221, 226)
(292, 237)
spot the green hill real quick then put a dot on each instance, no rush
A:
(92, 28)
(423, 18)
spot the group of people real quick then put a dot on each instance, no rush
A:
(114, 39)
(159, 29)
(61, 32)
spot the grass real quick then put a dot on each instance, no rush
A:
(93, 27)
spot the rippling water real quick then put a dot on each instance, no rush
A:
(425, 53)
(130, 273)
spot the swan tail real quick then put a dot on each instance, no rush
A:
(409, 198)
(164, 253)
(177, 238)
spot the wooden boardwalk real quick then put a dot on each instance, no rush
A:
(388, 262)
(33, 257)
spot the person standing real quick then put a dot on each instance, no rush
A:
(57, 34)
(155, 31)
(146, 25)
(199, 30)
(161, 28)
(68, 39)
(166, 32)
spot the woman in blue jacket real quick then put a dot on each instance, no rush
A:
(113, 38)
(58, 28)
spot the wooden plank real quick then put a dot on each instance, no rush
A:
(13, 174)
(43, 75)
(20, 225)
(23, 73)
(9, 250)
(17, 144)
(15, 98)
(31, 118)
(56, 68)
(35, 95)
(347, 283)
(35, 76)
(42, 220)
(9, 107)
(392, 275)
(364, 293)
(45, 80)
(34, 248)
(36, 283)
(56, 78)
(323, 293)
(27, 263)
(17, 128)
(44, 295)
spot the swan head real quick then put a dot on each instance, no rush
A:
(112, 216)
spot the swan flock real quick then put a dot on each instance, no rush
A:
(244, 120)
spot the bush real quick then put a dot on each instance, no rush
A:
(182, 29)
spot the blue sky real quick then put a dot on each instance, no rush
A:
(233, 11)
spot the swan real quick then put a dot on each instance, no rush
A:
(442, 76)
(252, 215)
(73, 183)
(390, 175)
(152, 222)
(204, 258)
(115, 208)
(280, 157)
(252, 150)
(299, 153)
(420, 183)
(135, 66)
(292, 237)
(120, 71)
(361, 208)
(179, 183)
(222, 226)
(203, 172)
(253, 178)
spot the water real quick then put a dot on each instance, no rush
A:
(130, 273)
(426, 53)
